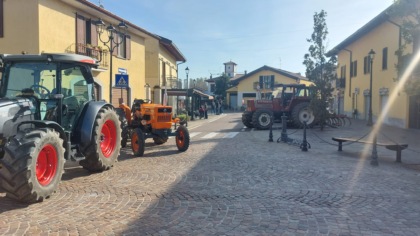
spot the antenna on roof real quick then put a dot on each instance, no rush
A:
(100, 4)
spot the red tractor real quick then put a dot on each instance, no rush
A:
(292, 100)
(49, 116)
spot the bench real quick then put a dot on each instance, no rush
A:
(397, 147)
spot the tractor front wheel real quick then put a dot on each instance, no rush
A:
(106, 142)
(33, 164)
(138, 142)
(247, 119)
(182, 138)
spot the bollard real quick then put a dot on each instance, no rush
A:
(284, 137)
(374, 161)
(270, 136)
(304, 145)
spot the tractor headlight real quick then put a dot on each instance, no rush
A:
(143, 122)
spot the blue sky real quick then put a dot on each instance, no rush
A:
(251, 33)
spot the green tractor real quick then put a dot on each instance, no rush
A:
(49, 115)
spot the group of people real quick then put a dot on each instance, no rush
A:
(216, 108)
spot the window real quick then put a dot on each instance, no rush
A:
(343, 72)
(1, 19)
(266, 82)
(124, 48)
(384, 58)
(85, 35)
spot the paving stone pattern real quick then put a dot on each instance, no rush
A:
(243, 185)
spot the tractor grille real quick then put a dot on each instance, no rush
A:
(164, 117)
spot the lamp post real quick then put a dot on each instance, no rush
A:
(371, 57)
(192, 100)
(187, 71)
(111, 43)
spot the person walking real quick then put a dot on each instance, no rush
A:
(205, 111)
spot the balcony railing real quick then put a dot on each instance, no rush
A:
(94, 52)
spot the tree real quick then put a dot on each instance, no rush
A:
(320, 68)
(222, 84)
(408, 12)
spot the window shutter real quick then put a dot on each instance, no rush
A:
(351, 69)
(355, 68)
(1, 19)
(272, 83)
(93, 34)
(261, 81)
(128, 47)
(80, 33)
(115, 52)
(365, 65)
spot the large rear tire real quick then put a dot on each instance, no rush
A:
(300, 113)
(247, 119)
(33, 164)
(262, 119)
(138, 142)
(106, 142)
(182, 138)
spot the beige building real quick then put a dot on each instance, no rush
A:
(382, 35)
(259, 82)
(69, 26)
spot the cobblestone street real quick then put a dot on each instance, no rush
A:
(242, 185)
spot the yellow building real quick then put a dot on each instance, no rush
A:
(260, 81)
(60, 26)
(355, 69)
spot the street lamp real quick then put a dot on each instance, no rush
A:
(113, 41)
(371, 57)
(192, 100)
(187, 71)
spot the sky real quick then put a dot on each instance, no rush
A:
(251, 33)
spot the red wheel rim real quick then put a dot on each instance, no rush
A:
(108, 138)
(180, 138)
(135, 142)
(46, 165)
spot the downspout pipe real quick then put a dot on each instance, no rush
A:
(350, 67)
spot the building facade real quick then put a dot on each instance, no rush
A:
(69, 26)
(356, 70)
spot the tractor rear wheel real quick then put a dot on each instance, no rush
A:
(33, 164)
(106, 142)
(160, 140)
(182, 138)
(138, 142)
(247, 119)
(262, 119)
(301, 113)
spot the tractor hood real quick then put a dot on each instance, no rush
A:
(13, 112)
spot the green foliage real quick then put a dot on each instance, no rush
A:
(222, 84)
(408, 11)
(319, 68)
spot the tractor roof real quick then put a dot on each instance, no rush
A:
(58, 57)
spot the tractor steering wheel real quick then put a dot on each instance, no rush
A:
(40, 94)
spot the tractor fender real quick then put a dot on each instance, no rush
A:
(46, 124)
(84, 128)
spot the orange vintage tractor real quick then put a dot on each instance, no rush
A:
(150, 120)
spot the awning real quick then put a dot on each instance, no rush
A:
(186, 92)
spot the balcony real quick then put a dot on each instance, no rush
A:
(94, 52)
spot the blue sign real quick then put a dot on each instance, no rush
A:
(121, 81)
